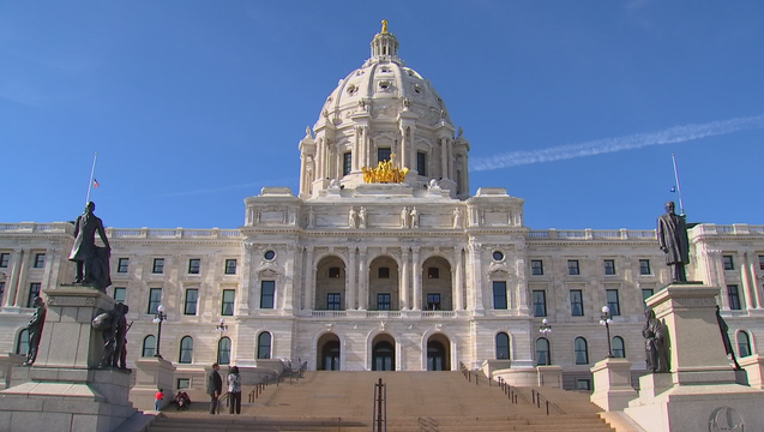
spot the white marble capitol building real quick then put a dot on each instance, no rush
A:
(420, 275)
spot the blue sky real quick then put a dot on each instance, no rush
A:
(195, 105)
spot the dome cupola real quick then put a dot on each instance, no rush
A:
(384, 46)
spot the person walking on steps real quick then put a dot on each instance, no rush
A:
(214, 387)
(234, 391)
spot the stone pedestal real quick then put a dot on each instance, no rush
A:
(612, 384)
(63, 392)
(152, 374)
(549, 376)
(700, 392)
(518, 376)
(753, 365)
(7, 362)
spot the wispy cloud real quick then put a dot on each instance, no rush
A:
(259, 184)
(672, 135)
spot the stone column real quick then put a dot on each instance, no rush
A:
(13, 281)
(521, 285)
(246, 279)
(310, 284)
(443, 158)
(476, 251)
(459, 283)
(288, 302)
(350, 282)
(404, 279)
(749, 283)
(404, 147)
(416, 303)
(716, 272)
(363, 280)
(753, 262)
(20, 300)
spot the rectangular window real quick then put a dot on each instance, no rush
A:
(537, 267)
(334, 301)
(761, 262)
(158, 267)
(192, 298)
(609, 267)
(267, 292)
(577, 303)
(383, 155)
(499, 295)
(193, 265)
(347, 163)
(573, 268)
(433, 301)
(384, 273)
(120, 294)
(734, 297)
(122, 265)
(229, 297)
(184, 383)
(383, 301)
(334, 272)
(612, 302)
(34, 292)
(644, 267)
(539, 303)
(647, 292)
(583, 384)
(421, 163)
(433, 273)
(155, 298)
(5, 258)
(2, 292)
(230, 266)
(729, 264)
(39, 261)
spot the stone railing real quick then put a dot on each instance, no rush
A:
(31, 227)
(329, 314)
(438, 314)
(172, 234)
(383, 314)
(590, 234)
(734, 229)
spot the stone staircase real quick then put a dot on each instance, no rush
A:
(417, 402)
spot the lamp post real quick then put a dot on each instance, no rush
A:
(222, 327)
(606, 320)
(158, 319)
(545, 328)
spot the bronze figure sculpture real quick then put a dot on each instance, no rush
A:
(672, 236)
(113, 326)
(724, 329)
(34, 328)
(656, 343)
(92, 261)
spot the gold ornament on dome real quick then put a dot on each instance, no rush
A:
(384, 27)
(384, 173)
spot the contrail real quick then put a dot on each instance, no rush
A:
(672, 135)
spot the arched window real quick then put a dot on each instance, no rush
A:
(502, 346)
(224, 351)
(149, 346)
(582, 352)
(543, 354)
(264, 346)
(22, 346)
(743, 344)
(186, 350)
(619, 348)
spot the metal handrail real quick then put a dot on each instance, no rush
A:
(537, 397)
(379, 407)
(221, 398)
(267, 380)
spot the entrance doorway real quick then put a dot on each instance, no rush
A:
(328, 353)
(438, 353)
(383, 353)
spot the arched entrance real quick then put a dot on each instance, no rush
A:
(328, 352)
(436, 284)
(438, 353)
(330, 284)
(383, 353)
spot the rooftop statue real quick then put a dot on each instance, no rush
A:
(672, 236)
(384, 27)
(384, 172)
(92, 261)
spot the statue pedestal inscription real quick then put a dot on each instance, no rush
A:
(65, 391)
(699, 393)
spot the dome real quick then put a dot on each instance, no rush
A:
(384, 86)
(383, 111)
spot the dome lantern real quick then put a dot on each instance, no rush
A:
(384, 45)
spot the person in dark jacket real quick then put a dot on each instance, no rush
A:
(214, 387)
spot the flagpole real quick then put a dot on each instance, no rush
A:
(678, 185)
(92, 173)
